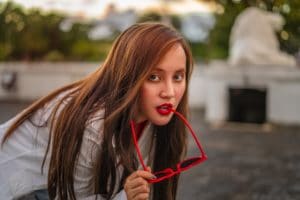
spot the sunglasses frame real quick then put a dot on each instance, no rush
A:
(169, 171)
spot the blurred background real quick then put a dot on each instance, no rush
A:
(244, 92)
(83, 30)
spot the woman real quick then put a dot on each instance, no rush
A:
(77, 143)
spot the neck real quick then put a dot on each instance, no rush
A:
(140, 128)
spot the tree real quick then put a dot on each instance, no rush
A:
(11, 24)
(32, 35)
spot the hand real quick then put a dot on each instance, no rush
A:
(136, 185)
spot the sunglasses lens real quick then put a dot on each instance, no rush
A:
(189, 162)
(161, 174)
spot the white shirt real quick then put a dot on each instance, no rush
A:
(22, 155)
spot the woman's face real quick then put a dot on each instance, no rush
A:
(163, 88)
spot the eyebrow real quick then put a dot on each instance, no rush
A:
(162, 70)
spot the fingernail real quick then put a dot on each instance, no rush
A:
(153, 177)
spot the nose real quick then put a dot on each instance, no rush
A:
(168, 90)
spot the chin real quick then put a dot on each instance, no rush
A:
(162, 122)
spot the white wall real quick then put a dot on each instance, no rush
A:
(37, 79)
(208, 88)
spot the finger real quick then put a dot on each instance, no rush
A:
(149, 169)
(141, 173)
(145, 174)
(137, 182)
(136, 186)
(142, 196)
(140, 189)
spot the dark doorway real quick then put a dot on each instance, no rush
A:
(247, 105)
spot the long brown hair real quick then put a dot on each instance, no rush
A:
(114, 87)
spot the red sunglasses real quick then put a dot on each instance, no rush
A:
(182, 166)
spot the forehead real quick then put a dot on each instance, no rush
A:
(174, 59)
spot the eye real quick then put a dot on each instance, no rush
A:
(179, 77)
(154, 77)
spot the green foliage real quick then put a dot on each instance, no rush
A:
(292, 27)
(5, 50)
(150, 16)
(33, 35)
(90, 51)
(54, 56)
(218, 42)
(200, 52)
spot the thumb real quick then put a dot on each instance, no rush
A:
(149, 169)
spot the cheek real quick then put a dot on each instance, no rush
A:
(147, 93)
(144, 93)
(180, 92)
(150, 89)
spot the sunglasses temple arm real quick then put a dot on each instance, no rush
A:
(191, 130)
(136, 145)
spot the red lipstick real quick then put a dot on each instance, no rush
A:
(164, 109)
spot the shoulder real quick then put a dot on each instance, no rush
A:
(42, 115)
(94, 127)
(91, 141)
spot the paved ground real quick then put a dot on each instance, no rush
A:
(245, 163)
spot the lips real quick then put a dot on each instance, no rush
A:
(164, 109)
